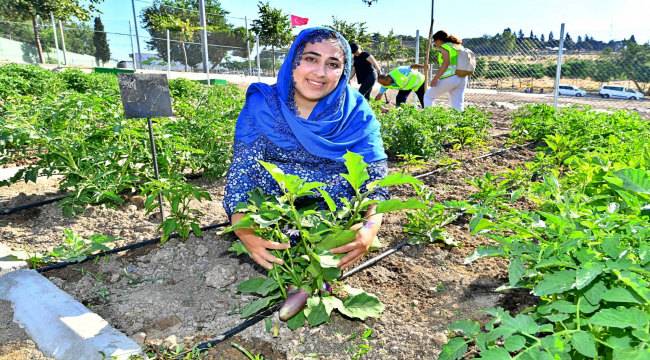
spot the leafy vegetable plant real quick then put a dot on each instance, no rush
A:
(309, 274)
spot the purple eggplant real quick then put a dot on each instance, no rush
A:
(326, 289)
(293, 305)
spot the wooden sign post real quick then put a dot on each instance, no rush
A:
(147, 96)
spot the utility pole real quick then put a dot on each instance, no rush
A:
(56, 41)
(558, 68)
(137, 37)
(248, 48)
(204, 39)
(426, 59)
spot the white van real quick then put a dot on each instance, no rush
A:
(619, 92)
(571, 90)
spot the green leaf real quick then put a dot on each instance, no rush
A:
(331, 303)
(317, 314)
(595, 292)
(584, 343)
(331, 205)
(396, 205)
(329, 260)
(622, 295)
(257, 305)
(484, 251)
(336, 239)
(634, 180)
(515, 271)
(620, 317)
(555, 283)
(357, 173)
(587, 273)
(515, 343)
(395, 179)
(196, 229)
(495, 354)
(455, 349)
(478, 225)
(631, 354)
(267, 286)
(467, 327)
(362, 306)
(296, 321)
(238, 248)
(251, 286)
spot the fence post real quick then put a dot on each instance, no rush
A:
(259, 70)
(248, 49)
(137, 37)
(169, 55)
(56, 41)
(558, 69)
(65, 56)
(204, 39)
(417, 46)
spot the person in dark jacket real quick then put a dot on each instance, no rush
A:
(365, 68)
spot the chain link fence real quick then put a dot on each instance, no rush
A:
(515, 69)
(511, 68)
(73, 44)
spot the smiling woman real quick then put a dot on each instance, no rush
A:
(304, 124)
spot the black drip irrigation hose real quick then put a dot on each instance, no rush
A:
(490, 154)
(61, 265)
(206, 345)
(32, 205)
(36, 204)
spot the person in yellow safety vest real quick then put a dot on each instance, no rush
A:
(404, 79)
(445, 81)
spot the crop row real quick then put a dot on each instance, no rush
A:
(582, 251)
(72, 124)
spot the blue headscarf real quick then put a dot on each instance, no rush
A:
(339, 122)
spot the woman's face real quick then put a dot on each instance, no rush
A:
(318, 72)
(438, 43)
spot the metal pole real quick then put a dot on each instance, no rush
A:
(155, 166)
(204, 39)
(417, 46)
(137, 38)
(558, 69)
(259, 69)
(169, 55)
(427, 68)
(56, 41)
(132, 49)
(248, 49)
(65, 56)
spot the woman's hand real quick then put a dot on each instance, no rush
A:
(358, 247)
(434, 82)
(366, 233)
(257, 247)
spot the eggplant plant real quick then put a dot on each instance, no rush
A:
(307, 281)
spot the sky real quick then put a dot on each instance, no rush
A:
(603, 19)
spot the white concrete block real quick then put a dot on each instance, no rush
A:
(60, 326)
(9, 266)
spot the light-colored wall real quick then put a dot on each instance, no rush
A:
(19, 52)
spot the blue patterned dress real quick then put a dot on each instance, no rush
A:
(246, 173)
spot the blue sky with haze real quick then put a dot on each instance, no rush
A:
(602, 19)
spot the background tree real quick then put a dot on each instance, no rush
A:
(23, 10)
(387, 48)
(273, 27)
(181, 18)
(634, 61)
(355, 32)
(102, 50)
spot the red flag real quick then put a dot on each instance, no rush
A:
(298, 21)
